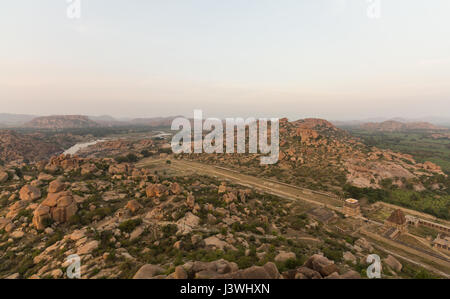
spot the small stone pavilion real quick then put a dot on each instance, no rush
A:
(352, 207)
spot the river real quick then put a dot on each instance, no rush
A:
(77, 147)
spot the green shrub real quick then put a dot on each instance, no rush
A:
(132, 158)
(47, 221)
(145, 153)
(169, 230)
(129, 225)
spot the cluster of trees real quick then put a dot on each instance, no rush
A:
(130, 158)
(425, 201)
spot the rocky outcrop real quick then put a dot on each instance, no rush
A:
(118, 168)
(364, 244)
(214, 243)
(118, 147)
(40, 215)
(45, 177)
(190, 201)
(321, 264)
(307, 136)
(175, 188)
(155, 190)
(229, 197)
(88, 247)
(66, 163)
(284, 256)
(349, 257)
(89, 168)
(148, 272)
(15, 208)
(133, 206)
(303, 273)
(223, 269)
(58, 206)
(393, 263)
(29, 193)
(222, 188)
(3, 176)
(319, 267)
(56, 186)
(188, 222)
(432, 167)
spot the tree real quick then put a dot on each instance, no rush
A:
(132, 158)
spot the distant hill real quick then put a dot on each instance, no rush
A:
(14, 120)
(107, 121)
(103, 118)
(62, 122)
(8, 120)
(154, 122)
(396, 126)
(437, 121)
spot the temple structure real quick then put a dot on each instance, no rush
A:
(397, 220)
(352, 207)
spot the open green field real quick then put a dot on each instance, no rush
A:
(418, 144)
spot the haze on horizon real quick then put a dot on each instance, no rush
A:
(293, 58)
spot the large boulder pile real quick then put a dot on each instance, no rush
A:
(58, 206)
(432, 167)
(88, 168)
(66, 163)
(220, 269)
(321, 264)
(318, 267)
(268, 271)
(230, 197)
(119, 169)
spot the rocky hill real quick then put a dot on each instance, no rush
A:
(32, 146)
(396, 126)
(316, 154)
(58, 122)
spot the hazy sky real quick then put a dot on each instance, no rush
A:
(295, 58)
